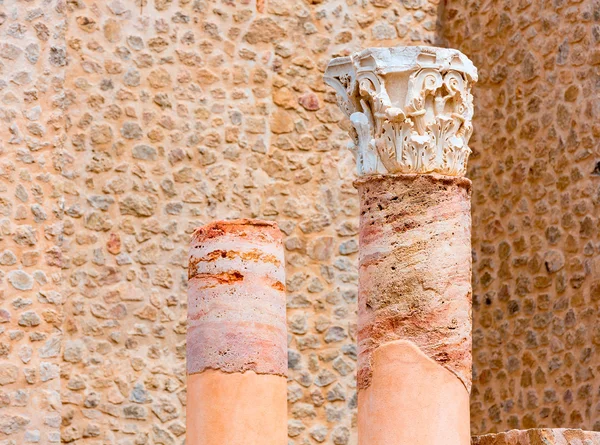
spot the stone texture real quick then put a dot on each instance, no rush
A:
(415, 267)
(544, 436)
(414, 309)
(124, 260)
(534, 169)
(535, 211)
(20, 280)
(237, 335)
(32, 129)
(236, 299)
(8, 373)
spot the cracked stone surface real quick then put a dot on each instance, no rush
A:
(545, 436)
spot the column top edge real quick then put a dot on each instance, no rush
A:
(241, 227)
(460, 181)
(405, 58)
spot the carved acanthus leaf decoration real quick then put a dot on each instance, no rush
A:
(411, 108)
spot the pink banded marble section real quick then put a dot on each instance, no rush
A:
(236, 298)
(415, 269)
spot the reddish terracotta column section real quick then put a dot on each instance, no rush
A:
(414, 338)
(237, 336)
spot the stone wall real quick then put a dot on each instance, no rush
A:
(177, 112)
(32, 75)
(125, 124)
(536, 200)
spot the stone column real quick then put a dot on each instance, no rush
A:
(410, 110)
(237, 335)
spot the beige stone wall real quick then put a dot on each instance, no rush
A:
(179, 112)
(32, 73)
(132, 133)
(536, 200)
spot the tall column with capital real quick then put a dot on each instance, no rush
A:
(237, 335)
(411, 110)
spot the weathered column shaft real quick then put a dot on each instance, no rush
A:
(414, 309)
(237, 336)
(410, 109)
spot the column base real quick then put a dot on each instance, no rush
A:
(412, 400)
(236, 408)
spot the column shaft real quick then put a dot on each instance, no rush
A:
(237, 337)
(414, 327)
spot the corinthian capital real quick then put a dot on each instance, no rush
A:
(410, 108)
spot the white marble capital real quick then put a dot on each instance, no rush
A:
(410, 107)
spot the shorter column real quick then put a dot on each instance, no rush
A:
(237, 335)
